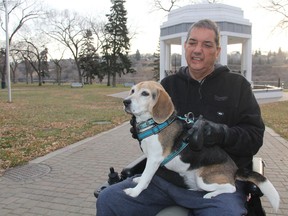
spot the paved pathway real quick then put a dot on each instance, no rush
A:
(62, 183)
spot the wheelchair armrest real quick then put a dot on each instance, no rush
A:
(102, 187)
(136, 167)
(251, 188)
(258, 165)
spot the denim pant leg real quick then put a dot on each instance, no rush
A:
(160, 194)
(227, 204)
(113, 201)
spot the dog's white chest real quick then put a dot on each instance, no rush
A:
(152, 147)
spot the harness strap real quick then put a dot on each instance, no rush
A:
(188, 118)
(145, 124)
(173, 154)
(156, 129)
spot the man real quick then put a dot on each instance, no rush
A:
(232, 120)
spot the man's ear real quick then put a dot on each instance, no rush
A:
(218, 52)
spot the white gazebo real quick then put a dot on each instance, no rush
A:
(234, 29)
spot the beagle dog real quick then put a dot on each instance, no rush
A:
(210, 169)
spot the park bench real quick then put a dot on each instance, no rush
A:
(129, 84)
(76, 85)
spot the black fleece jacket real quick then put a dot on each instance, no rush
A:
(222, 97)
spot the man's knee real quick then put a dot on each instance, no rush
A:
(103, 197)
(112, 197)
(233, 204)
(105, 202)
(101, 201)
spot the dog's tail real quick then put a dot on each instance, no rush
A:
(263, 183)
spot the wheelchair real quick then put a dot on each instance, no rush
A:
(253, 203)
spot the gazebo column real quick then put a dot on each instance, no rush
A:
(164, 59)
(223, 53)
(246, 61)
(183, 59)
(168, 56)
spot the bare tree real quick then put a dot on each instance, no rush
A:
(16, 60)
(97, 29)
(36, 55)
(279, 7)
(19, 13)
(213, 1)
(68, 29)
(58, 67)
(164, 6)
(168, 5)
(29, 71)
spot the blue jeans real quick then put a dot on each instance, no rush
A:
(160, 194)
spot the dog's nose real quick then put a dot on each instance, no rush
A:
(127, 102)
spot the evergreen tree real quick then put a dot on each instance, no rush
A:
(89, 59)
(44, 68)
(117, 42)
(137, 55)
(156, 64)
(280, 57)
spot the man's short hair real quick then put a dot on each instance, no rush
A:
(207, 24)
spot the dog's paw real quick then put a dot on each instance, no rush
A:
(136, 179)
(212, 194)
(132, 192)
(208, 196)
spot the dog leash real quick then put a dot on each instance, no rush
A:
(188, 118)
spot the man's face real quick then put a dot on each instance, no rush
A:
(201, 52)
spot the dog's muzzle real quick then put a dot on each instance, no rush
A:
(127, 104)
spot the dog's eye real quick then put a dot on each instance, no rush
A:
(132, 91)
(145, 93)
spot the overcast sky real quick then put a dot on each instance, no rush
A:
(147, 23)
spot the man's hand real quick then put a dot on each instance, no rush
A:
(206, 133)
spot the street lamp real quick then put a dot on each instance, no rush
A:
(7, 53)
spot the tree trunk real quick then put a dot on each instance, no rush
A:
(27, 81)
(3, 78)
(31, 77)
(40, 79)
(59, 77)
(108, 79)
(13, 76)
(114, 80)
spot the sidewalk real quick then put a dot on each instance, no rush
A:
(62, 182)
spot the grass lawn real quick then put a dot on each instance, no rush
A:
(275, 116)
(43, 119)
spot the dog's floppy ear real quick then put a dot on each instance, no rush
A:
(163, 108)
